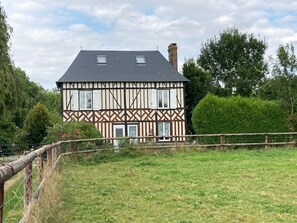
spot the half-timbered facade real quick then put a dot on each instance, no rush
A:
(125, 93)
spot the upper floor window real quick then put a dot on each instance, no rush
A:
(85, 100)
(101, 59)
(140, 59)
(163, 98)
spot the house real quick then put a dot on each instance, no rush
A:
(126, 93)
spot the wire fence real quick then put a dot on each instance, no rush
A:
(20, 191)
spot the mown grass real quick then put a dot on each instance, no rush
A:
(211, 186)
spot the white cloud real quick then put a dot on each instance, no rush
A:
(48, 34)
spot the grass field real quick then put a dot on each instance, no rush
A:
(14, 196)
(209, 186)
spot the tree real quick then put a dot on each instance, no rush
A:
(8, 86)
(36, 123)
(31, 94)
(198, 86)
(283, 84)
(285, 70)
(235, 61)
(7, 133)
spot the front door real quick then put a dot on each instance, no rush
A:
(118, 132)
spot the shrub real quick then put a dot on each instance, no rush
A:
(71, 130)
(36, 123)
(237, 115)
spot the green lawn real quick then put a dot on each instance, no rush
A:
(211, 186)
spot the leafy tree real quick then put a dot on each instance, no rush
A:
(285, 70)
(7, 133)
(283, 84)
(31, 94)
(235, 61)
(52, 101)
(36, 123)
(198, 86)
(8, 86)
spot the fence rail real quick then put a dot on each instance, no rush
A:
(50, 154)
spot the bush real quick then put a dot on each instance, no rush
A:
(36, 123)
(71, 130)
(214, 115)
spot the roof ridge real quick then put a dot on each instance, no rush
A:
(119, 50)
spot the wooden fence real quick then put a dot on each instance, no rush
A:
(50, 154)
(25, 163)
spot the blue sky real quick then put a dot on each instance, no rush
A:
(48, 34)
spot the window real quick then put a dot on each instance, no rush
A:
(163, 98)
(140, 59)
(101, 59)
(133, 132)
(163, 131)
(85, 100)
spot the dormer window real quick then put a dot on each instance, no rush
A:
(101, 59)
(140, 59)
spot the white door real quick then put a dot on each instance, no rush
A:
(133, 132)
(118, 132)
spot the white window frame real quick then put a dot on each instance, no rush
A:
(116, 141)
(140, 59)
(101, 59)
(161, 98)
(172, 99)
(133, 140)
(85, 99)
(164, 136)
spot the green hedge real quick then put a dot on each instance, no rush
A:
(215, 115)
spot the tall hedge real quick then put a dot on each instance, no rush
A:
(237, 114)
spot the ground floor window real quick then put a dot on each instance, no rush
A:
(119, 132)
(132, 132)
(163, 131)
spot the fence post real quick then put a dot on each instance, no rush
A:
(59, 150)
(49, 159)
(1, 201)
(175, 141)
(222, 141)
(54, 154)
(266, 141)
(28, 185)
(40, 168)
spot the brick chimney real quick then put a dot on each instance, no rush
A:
(172, 54)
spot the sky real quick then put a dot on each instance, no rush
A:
(47, 35)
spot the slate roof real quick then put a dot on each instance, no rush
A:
(121, 67)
